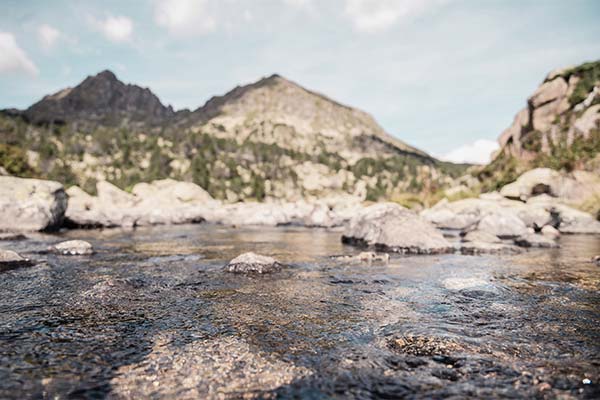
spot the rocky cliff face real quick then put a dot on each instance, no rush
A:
(100, 100)
(271, 139)
(559, 127)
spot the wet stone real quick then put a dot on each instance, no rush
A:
(72, 248)
(248, 263)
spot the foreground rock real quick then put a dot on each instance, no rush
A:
(596, 260)
(31, 204)
(391, 227)
(253, 263)
(10, 259)
(73, 248)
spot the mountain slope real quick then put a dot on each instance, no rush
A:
(559, 128)
(276, 110)
(100, 100)
(271, 139)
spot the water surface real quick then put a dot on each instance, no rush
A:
(152, 315)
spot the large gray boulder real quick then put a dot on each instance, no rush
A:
(31, 204)
(391, 227)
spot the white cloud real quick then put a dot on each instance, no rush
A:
(478, 152)
(47, 35)
(185, 17)
(13, 58)
(117, 29)
(377, 15)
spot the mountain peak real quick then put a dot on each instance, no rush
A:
(280, 111)
(106, 74)
(100, 99)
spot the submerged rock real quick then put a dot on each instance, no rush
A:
(73, 248)
(365, 256)
(31, 204)
(391, 227)
(253, 263)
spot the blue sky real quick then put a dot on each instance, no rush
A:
(439, 74)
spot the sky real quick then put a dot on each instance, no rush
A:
(446, 76)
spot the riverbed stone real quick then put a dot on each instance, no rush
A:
(73, 248)
(31, 204)
(253, 263)
(391, 227)
(503, 224)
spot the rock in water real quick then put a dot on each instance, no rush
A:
(535, 240)
(596, 260)
(550, 232)
(31, 204)
(253, 263)
(73, 248)
(10, 259)
(503, 224)
(391, 227)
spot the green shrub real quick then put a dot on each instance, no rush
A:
(14, 160)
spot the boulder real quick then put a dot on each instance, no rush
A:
(596, 260)
(535, 240)
(550, 231)
(532, 183)
(31, 204)
(160, 202)
(391, 227)
(481, 236)
(575, 221)
(73, 248)
(10, 259)
(503, 224)
(253, 263)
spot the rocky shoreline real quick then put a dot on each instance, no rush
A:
(492, 223)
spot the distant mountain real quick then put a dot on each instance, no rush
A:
(276, 110)
(100, 99)
(270, 139)
(559, 127)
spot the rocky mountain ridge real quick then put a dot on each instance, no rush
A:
(270, 139)
(100, 100)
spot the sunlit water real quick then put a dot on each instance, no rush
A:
(153, 314)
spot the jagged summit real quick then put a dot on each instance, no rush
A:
(100, 99)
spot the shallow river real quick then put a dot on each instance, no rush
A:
(153, 315)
